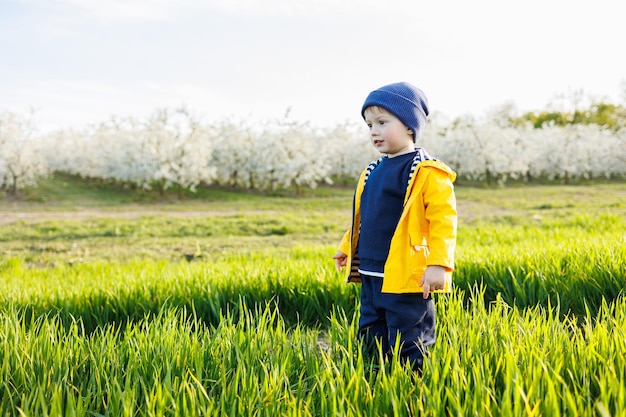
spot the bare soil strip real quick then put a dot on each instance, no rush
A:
(466, 210)
(80, 215)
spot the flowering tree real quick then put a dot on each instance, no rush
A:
(489, 152)
(170, 148)
(235, 155)
(179, 148)
(281, 154)
(347, 149)
(175, 148)
(20, 161)
(290, 155)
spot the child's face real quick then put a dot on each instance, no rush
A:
(388, 134)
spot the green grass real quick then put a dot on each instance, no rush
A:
(65, 192)
(489, 361)
(225, 303)
(68, 192)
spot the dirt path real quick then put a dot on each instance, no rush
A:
(7, 217)
(466, 210)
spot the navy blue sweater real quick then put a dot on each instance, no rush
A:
(381, 206)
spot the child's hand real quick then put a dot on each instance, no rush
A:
(434, 279)
(340, 260)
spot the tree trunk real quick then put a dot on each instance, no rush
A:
(488, 176)
(13, 190)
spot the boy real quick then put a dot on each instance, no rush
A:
(403, 235)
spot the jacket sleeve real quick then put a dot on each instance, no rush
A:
(344, 245)
(441, 215)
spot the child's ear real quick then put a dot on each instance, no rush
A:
(410, 132)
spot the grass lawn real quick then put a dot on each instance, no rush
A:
(120, 302)
(67, 219)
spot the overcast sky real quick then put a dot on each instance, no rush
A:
(79, 62)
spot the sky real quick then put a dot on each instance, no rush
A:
(81, 62)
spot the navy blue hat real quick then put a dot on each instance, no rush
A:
(405, 101)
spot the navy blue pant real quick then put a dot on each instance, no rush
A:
(396, 318)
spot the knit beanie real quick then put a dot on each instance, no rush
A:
(405, 101)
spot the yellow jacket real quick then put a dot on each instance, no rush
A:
(425, 234)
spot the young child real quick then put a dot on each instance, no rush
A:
(403, 235)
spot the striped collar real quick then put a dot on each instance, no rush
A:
(420, 155)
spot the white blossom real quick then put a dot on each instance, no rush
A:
(175, 148)
(21, 164)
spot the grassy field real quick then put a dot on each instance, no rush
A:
(116, 302)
